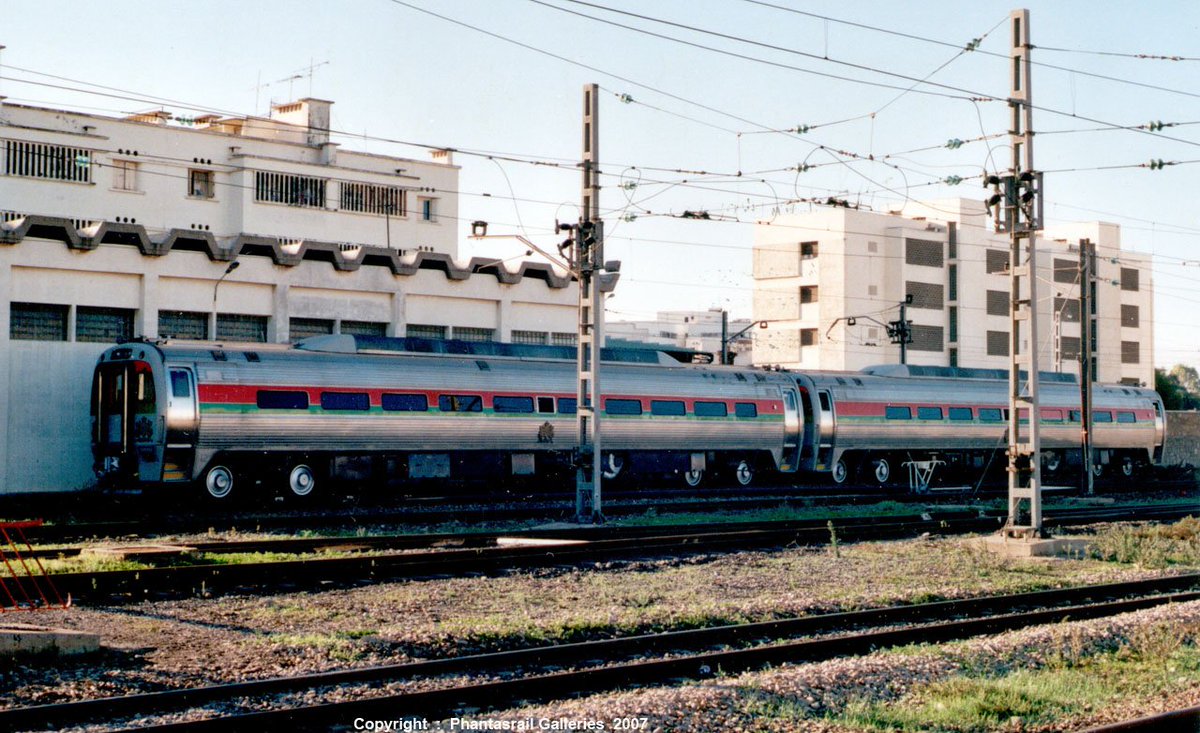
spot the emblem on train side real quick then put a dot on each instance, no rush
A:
(546, 433)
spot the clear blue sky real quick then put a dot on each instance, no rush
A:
(401, 74)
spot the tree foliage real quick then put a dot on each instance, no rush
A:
(1179, 387)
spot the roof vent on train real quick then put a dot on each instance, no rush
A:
(252, 356)
(219, 356)
(920, 370)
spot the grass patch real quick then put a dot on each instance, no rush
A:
(87, 563)
(1150, 546)
(1153, 662)
(339, 646)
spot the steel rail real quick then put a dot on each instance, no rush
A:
(423, 511)
(316, 572)
(319, 572)
(485, 539)
(543, 687)
(1186, 720)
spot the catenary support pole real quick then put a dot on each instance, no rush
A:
(1087, 254)
(1022, 219)
(588, 260)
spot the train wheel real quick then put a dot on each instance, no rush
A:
(612, 465)
(1127, 467)
(693, 477)
(218, 482)
(1051, 461)
(840, 473)
(302, 481)
(883, 471)
(1097, 470)
(743, 471)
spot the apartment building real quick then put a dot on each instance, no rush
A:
(829, 282)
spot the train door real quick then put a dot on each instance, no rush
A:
(182, 424)
(110, 416)
(792, 431)
(826, 429)
(1160, 431)
(127, 427)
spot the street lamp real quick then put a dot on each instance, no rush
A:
(232, 266)
(494, 263)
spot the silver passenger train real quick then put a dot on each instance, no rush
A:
(229, 417)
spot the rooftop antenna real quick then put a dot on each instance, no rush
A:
(312, 68)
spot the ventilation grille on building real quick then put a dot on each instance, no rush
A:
(997, 260)
(1067, 309)
(1066, 271)
(997, 303)
(997, 343)
(923, 252)
(924, 295)
(1131, 352)
(1069, 346)
(926, 338)
(1129, 316)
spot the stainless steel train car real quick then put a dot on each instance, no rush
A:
(348, 407)
(866, 426)
(344, 407)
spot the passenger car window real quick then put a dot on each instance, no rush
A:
(622, 407)
(278, 399)
(405, 402)
(711, 409)
(345, 401)
(460, 403)
(512, 404)
(745, 409)
(673, 408)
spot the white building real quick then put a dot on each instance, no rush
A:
(227, 228)
(828, 282)
(692, 330)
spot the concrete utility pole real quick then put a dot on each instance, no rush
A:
(1087, 258)
(1018, 210)
(587, 260)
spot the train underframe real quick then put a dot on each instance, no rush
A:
(920, 470)
(300, 475)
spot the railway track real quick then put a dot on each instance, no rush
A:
(598, 666)
(482, 554)
(80, 521)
